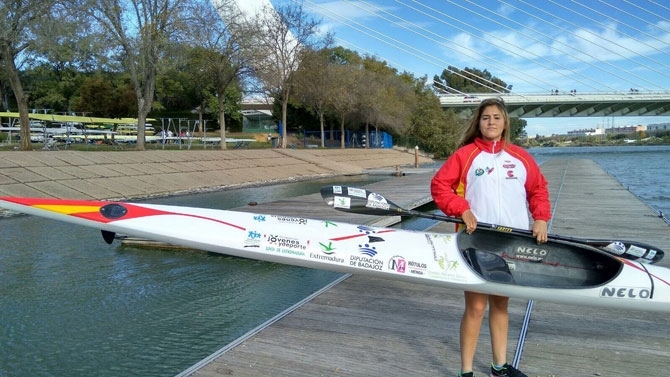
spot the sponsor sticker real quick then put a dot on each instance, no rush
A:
(617, 248)
(366, 262)
(253, 239)
(342, 202)
(290, 220)
(398, 264)
(377, 201)
(636, 251)
(326, 258)
(286, 242)
(353, 191)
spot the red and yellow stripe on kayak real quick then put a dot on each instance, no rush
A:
(85, 209)
(100, 211)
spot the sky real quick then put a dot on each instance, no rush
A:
(592, 46)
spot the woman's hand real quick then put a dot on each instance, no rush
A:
(470, 221)
(540, 231)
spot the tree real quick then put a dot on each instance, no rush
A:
(343, 103)
(284, 35)
(433, 129)
(472, 80)
(106, 96)
(517, 129)
(227, 50)
(469, 80)
(312, 84)
(63, 48)
(140, 30)
(20, 20)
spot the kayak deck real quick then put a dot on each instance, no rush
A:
(519, 260)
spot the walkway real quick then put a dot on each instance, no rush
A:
(137, 174)
(374, 327)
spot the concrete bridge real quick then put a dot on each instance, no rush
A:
(574, 104)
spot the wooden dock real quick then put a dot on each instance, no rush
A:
(374, 327)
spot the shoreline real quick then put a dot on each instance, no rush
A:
(136, 175)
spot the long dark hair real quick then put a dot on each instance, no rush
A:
(473, 130)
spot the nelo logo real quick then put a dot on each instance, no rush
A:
(634, 293)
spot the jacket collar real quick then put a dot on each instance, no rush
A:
(489, 146)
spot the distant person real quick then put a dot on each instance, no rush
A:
(489, 179)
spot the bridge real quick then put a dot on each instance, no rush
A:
(631, 103)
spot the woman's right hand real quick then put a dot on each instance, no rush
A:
(470, 221)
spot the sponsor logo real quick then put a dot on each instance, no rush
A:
(353, 191)
(510, 174)
(366, 229)
(253, 239)
(328, 258)
(398, 264)
(287, 242)
(401, 265)
(480, 171)
(626, 292)
(367, 250)
(259, 218)
(342, 202)
(616, 247)
(377, 201)
(416, 268)
(372, 239)
(285, 245)
(327, 248)
(533, 254)
(366, 262)
(446, 264)
(291, 220)
(636, 251)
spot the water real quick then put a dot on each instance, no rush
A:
(71, 305)
(642, 169)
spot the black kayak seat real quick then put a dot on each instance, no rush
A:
(490, 266)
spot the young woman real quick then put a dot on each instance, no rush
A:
(491, 180)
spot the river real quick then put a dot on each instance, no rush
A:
(74, 306)
(642, 169)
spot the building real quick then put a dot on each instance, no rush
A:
(587, 132)
(625, 130)
(658, 127)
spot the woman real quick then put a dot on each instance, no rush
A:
(489, 179)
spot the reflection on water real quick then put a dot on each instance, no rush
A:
(74, 306)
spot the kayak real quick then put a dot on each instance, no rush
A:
(487, 261)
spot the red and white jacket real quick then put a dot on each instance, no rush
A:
(499, 183)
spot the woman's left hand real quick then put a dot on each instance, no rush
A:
(540, 231)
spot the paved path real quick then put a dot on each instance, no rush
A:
(135, 174)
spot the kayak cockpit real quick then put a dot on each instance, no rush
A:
(519, 260)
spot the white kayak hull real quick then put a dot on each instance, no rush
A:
(486, 261)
